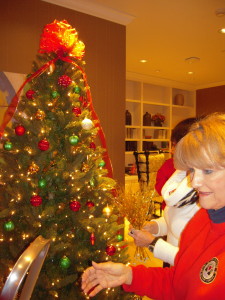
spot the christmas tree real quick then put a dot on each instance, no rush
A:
(55, 174)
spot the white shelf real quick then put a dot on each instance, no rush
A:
(143, 96)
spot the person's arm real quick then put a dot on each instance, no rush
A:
(105, 275)
(162, 226)
(153, 282)
(165, 251)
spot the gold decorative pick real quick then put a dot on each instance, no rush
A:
(137, 207)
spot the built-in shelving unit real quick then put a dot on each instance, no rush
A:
(143, 96)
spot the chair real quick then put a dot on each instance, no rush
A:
(28, 265)
(148, 163)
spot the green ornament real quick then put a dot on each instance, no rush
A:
(9, 226)
(102, 163)
(42, 183)
(74, 139)
(65, 262)
(55, 94)
(119, 237)
(92, 182)
(77, 89)
(8, 146)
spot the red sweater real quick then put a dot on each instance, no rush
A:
(199, 271)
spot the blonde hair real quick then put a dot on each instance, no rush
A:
(204, 145)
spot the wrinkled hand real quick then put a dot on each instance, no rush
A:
(151, 227)
(105, 275)
(142, 238)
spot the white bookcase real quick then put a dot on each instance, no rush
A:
(147, 95)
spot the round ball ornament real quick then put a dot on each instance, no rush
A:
(20, 130)
(42, 183)
(40, 114)
(101, 164)
(119, 237)
(64, 81)
(87, 124)
(8, 146)
(33, 168)
(65, 262)
(43, 145)
(35, 200)
(76, 111)
(75, 205)
(92, 145)
(54, 94)
(107, 211)
(110, 250)
(90, 204)
(77, 89)
(9, 226)
(30, 94)
(73, 139)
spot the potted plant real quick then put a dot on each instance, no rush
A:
(158, 119)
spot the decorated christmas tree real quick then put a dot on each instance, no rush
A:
(55, 174)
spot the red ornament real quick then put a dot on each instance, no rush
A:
(30, 94)
(92, 146)
(20, 130)
(43, 145)
(64, 80)
(75, 205)
(92, 239)
(36, 200)
(90, 204)
(76, 111)
(110, 250)
(83, 101)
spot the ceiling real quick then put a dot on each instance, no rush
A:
(166, 33)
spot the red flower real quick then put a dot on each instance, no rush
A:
(158, 117)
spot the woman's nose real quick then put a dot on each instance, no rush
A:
(196, 180)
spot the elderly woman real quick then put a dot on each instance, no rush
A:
(199, 270)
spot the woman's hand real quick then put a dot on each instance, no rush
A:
(142, 238)
(105, 275)
(151, 227)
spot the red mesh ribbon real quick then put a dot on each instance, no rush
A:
(59, 37)
(95, 117)
(14, 103)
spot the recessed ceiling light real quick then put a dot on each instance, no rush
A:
(222, 30)
(192, 59)
(143, 61)
(190, 73)
(220, 12)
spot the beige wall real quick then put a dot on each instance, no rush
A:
(210, 100)
(21, 26)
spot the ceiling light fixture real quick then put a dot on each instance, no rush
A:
(220, 12)
(143, 61)
(222, 30)
(192, 59)
(190, 73)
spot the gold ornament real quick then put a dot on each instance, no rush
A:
(107, 211)
(85, 167)
(33, 168)
(40, 114)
